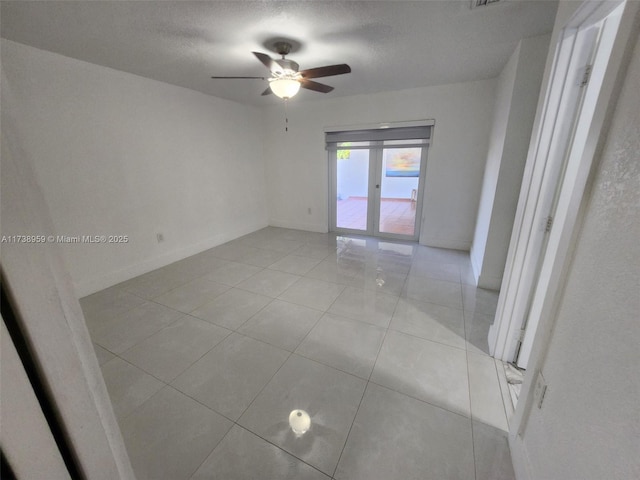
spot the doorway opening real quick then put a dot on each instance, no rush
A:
(580, 86)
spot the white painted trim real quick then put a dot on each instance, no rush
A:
(50, 317)
(450, 243)
(373, 193)
(311, 227)
(475, 266)
(333, 189)
(489, 282)
(24, 427)
(538, 189)
(374, 126)
(516, 278)
(571, 207)
(520, 459)
(578, 166)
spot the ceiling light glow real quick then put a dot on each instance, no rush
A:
(284, 87)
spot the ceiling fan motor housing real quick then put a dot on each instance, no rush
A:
(286, 78)
(289, 66)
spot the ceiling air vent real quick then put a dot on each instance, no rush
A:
(482, 3)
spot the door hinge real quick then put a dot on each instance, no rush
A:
(585, 75)
(548, 224)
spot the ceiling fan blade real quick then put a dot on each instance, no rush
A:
(315, 86)
(327, 71)
(267, 92)
(258, 78)
(268, 62)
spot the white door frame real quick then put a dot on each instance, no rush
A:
(25, 429)
(553, 179)
(375, 191)
(596, 110)
(51, 321)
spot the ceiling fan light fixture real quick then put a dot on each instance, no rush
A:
(284, 88)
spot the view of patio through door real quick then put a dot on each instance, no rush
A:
(377, 187)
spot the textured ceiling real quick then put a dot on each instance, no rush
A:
(390, 45)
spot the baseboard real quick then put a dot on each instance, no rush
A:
(489, 282)
(309, 227)
(450, 243)
(93, 285)
(475, 267)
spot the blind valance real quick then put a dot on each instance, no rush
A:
(379, 134)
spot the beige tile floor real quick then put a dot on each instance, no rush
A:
(382, 343)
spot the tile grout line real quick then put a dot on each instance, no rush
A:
(346, 440)
(288, 357)
(285, 361)
(366, 387)
(235, 422)
(466, 355)
(366, 258)
(168, 384)
(409, 395)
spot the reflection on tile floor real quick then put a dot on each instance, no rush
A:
(382, 343)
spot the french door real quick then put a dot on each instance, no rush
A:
(377, 187)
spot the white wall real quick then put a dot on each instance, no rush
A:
(297, 162)
(115, 153)
(504, 95)
(589, 425)
(516, 100)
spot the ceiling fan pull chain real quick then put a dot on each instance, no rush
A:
(286, 117)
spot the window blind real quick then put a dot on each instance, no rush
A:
(379, 134)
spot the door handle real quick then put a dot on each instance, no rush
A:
(377, 186)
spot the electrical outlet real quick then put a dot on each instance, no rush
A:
(539, 390)
(160, 237)
(309, 210)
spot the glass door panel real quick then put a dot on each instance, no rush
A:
(376, 187)
(399, 187)
(352, 189)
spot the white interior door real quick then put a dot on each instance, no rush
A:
(593, 44)
(580, 81)
(582, 45)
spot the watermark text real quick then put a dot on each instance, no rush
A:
(64, 239)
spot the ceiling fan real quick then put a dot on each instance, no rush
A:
(286, 80)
